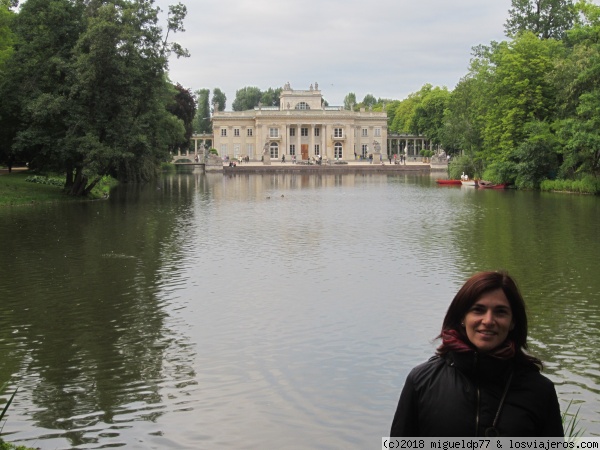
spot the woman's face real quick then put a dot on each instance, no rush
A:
(489, 320)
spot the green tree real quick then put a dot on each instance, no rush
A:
(92, 89)
(271, 97)
(350, 101)
(119, 123)
(46, 32)
(246, 98)
(202, 120)
(219, 100)
(6, 34)
(369, 101)
(402, 115)
(577, 81)
(537, 156)
(184, 107)
(8, 104)
(544, 18)
(462, 125)
(428, 116)
(520, 89)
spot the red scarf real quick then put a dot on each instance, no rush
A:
(451, 340)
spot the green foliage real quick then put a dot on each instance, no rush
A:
(462, 120)
(369, 101)
(585, 185)
(463, 164)
(271, 97)
(428, 114)
(168, 167)
(6, 35)
(520, 89)
(202, 120)
(175, 19)
(213, 151)
(183, 107)
(571, 423)
(536, 156)
(250, 97)
(219, 100)
(52, 181)
(88, 92)
(544, 18)
(350, 101)
(246, 98)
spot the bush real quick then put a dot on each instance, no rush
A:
(52, 181)
(167, 167)
(460, 164)
(586, 185)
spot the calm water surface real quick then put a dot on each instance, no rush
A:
(272, 310)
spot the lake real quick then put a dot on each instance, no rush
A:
(263, 310)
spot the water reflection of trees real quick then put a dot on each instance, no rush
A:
(89, 327)
(549, 242)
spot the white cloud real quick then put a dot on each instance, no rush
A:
(388, 48)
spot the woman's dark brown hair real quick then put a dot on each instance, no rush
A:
(482, 283)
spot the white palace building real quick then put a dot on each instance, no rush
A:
(303, 127)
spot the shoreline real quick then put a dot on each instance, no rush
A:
(348, 167)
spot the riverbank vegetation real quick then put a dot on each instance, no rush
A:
(24, 188)
(528, 110)
(85, 90)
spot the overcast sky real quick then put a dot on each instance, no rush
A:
(387, 48)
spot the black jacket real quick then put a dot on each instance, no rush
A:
(459, 395)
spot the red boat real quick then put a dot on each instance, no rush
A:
(489, 185)
(448, 181)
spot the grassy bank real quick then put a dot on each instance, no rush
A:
(6, 446)
(17, 188)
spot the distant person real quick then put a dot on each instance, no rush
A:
(282, 158)
(480, 381)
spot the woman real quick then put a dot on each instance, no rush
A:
(480, 382)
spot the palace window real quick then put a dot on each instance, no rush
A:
(236, 131)
(274, 150)
(302, 105)
(249, 132)
(338, 132)
(317, 149)
(292, 149)
(273, 132)
(224, 132)
(223, 149)
(317, 132)
(236, 150)
(365, 132)
(304, 131)
(365, 150)
(337, 150)
(292, 132)
(249, 149)
(378, 131)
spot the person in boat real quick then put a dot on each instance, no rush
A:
(480, 382)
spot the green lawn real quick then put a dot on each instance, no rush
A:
(14, 190)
